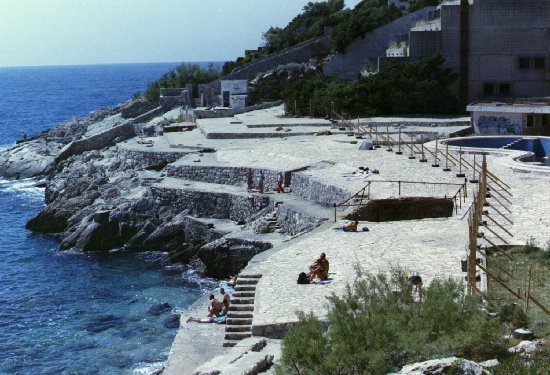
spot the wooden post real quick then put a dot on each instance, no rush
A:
(411, 156)
(446, 169)
(399, 152)
(528, 289)
(436, 160)
(423, 160)
(474, 180)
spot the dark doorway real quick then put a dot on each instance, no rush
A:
(225, 99)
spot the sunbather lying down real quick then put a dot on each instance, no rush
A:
(145, 141)
(213, 319)
(350, 226)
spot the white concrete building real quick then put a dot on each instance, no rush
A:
(519, 118)
(234, 93)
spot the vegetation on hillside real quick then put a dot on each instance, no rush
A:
(377, 327)
(180, 76)
(366, 16)
(310, 23)
(415, 5)
(398, 88)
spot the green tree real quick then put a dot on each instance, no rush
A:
(366, 16)
(376, 327)
(180, 76)
(415, 5)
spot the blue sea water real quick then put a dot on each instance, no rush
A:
(68, 313)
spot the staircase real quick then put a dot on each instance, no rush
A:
(512, 143)
(241, 311)
(271, 219)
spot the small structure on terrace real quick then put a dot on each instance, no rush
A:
(525, 117)
(234, 93)
(175, 97)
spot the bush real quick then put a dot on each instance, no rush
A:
(377, 327)
(180, 76)
(366, 16)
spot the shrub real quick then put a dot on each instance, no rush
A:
(377, 327)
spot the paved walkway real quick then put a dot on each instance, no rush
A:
(432, 246)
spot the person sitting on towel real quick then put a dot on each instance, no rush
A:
(215, 307)
(350, 227)
(319, 269)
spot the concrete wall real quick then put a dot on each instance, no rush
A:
(217, 113)
(492, 123)
(349, 64)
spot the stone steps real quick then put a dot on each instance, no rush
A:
(237, 335)
(240, 315)
(247, 282)
(245, 288)
(241, 328)
(241, 308)
(238, 324)
(244, 294)
(242, 301)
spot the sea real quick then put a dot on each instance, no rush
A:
(67, 312)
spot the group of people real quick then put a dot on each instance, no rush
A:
(217, 310)
(261, 181)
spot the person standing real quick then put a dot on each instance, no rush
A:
(250, 179)
(280, 179)
(261, 182)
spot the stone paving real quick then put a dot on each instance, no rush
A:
(434, 247)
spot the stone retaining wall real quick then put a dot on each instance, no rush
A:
(107, 138)
(223, 175)
(209, 204)
(294, 222)
(142, 159)
(198, 229)
(230, 112)
(302, 52)
(315, 191)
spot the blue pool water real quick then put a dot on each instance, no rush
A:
(63, 313)
(539, 146)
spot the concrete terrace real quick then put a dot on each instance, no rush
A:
(432, 246)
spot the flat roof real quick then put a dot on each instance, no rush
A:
(528, 107)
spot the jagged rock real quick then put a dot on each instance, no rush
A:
(160, 308)
(227, 256)
(28, 159)
(522, 334)
(527, 348)
(489, 363)
(173, 321)
(198, 266)
(262, 226)
(444, 366)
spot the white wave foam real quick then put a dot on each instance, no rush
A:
(26, 185)
(147, 368)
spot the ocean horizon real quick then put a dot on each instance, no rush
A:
(67, 312)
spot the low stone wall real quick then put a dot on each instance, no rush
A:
(315, 47)
(230, 112)
(411, 122)
(210, 204)
(97, 141)
(142, 159)
(314, 191)
(293, 222)
(381, 210)
(222, 175)
(107, 138)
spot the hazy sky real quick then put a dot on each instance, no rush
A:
(67, 32)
